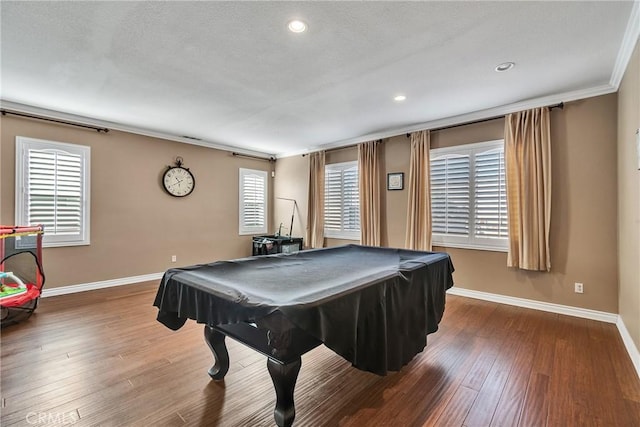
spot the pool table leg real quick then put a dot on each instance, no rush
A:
(284, 381)
(215, 341)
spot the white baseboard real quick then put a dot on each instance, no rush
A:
(601, 316)
(63, 290)
(629, 344)
(502, 299)
(585, 313)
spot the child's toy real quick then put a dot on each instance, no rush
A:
(21, 274)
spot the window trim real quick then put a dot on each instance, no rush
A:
(478, 243)
(244, 230)
(341, 234)
(51, 240)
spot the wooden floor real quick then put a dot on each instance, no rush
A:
(101, 359)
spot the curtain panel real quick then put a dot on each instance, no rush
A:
(369, 190)
(418, 234)
(315, 212)
(528, 175)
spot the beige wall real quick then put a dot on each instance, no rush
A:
(291, 181)
(629, 198)
(584, 210)
(289, 171)
(135, 225)
(583, 213)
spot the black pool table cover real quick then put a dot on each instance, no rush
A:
(373, 306)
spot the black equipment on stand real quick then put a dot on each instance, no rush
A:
(275, 244)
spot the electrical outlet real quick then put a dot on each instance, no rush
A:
(579, 288)
(174, 258)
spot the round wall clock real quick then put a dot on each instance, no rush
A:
(178, 180)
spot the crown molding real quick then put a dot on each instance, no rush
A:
(467, 118)
(631, 36)
(434, 124)
(629, 41)
(59, 115)
(297, 153)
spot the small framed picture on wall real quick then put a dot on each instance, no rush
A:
(395, 181)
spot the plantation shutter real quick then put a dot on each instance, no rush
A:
(490, 195)
(351, 200)
(341, 201)
(469, 197)
(332, 200)
(450, 182)
(54, 191)
(253, 198)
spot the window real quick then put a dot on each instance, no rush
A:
(253, 201)
(52, 188)
(341, 201)
(468, 196)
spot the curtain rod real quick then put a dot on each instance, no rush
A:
(269, 159)
(551, 107)
(488, 119)
(31, 116)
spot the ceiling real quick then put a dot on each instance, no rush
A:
(231, 75)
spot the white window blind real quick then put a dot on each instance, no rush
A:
(341, 201)
(490, 207)
(468, 196)
(52, 188)
(450, 194)
(253, 201)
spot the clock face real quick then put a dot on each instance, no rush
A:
(178, 181)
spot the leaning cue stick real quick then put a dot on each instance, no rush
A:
(295, 205)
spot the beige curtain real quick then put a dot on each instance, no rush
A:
(418, 235)
(528, 173)
(369, 191)
(315, 213)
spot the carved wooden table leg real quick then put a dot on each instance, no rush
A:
(284, 381)
(215, 341)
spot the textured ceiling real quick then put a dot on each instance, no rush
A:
(230, 73)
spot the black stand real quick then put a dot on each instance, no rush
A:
(284, 381)
(215, 341)
(283, 348)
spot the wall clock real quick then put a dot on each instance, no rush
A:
(178, 180)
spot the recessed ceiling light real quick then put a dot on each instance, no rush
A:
(505, 66)
(399, 98)
(297, 26)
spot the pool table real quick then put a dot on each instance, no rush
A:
(373, 306)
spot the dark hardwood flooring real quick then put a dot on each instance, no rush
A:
(101, 359)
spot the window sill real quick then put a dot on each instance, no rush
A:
(252, 232)
(46, 244)
(467, 246)
(342, 236)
